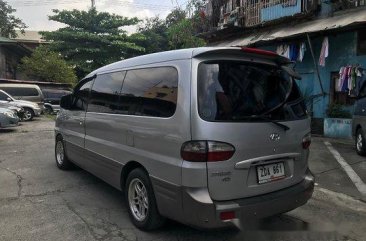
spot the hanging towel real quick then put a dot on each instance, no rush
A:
(341, 79)
(301, 52)
(294, 52)
(324, 52)
(283, 50)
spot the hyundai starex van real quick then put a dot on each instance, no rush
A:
(207, 136)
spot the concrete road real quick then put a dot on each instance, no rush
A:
(40, 202)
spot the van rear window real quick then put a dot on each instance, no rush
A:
(237, 91)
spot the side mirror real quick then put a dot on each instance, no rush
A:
(9, 99)
(66, 101)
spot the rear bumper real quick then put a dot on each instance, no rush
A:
(201, 211)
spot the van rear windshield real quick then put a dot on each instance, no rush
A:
(238, 91)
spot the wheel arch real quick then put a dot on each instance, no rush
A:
(127, 168)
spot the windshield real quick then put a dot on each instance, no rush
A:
(233, 90)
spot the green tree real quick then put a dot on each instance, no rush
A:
(182, 35)
(155, 32)
(45, 65)
(8, 22)
(92, 39)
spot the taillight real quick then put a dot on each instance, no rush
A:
(206, 151)
(227, 215)
(306, 141)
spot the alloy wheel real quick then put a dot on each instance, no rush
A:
(27, 115)
(138, 199)
(60, 152)
(359, 142)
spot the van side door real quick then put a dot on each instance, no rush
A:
(105, 138)
(73, 123)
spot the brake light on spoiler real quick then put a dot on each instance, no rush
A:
(258, 51)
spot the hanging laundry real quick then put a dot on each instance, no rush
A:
(294, 52)
(283, 50)
(301, 52)
(324, 52)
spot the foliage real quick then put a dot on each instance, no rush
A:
(155, 32)
(337, 111)
(181, 35)
(175, 32)
(92, 39)
(45, 65)
(8, 22)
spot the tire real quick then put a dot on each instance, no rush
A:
(62, 161)
(48, 110)
(148, 217)
(28, 114)
(360, 143)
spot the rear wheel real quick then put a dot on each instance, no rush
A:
(139, 197)
(62, 161)
(360, 143)
(28, 114)
(48, 109)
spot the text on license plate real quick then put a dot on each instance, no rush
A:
(270, 172)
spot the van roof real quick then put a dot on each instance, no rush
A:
(20, 85)
(182, 54)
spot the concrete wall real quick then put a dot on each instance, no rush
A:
(342, 51)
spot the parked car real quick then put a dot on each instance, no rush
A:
(27, 92)
(359, 121)
(205, 136)
(8, 118)
(17, 109)
(31, 109)
(52, 99)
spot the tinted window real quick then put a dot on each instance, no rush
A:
(81, 95)
(150, 92)
(20, 91)
(237, 91)
(105, 93)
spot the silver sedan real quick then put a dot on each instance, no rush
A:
(8, 118)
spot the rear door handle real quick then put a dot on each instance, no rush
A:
(81, 121)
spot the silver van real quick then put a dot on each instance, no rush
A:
(29, 92)
(207, 136)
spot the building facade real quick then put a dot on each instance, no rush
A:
(300, 30)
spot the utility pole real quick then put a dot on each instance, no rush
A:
(93, 3)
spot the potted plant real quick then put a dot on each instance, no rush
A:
(338, 123)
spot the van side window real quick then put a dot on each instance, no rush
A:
(81, 96)
(150, 92)
(21, 91)
(105, 93)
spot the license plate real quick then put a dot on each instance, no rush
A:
(270, 172)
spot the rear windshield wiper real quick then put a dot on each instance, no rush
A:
(268, 118)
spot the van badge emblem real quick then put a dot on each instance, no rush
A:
(274, 137)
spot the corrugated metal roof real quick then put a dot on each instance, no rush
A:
(29, 36)
(344, 20)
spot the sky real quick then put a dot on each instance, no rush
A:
(34, 13)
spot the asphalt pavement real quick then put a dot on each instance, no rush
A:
(40, 202)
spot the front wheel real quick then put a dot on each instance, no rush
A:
(360, 143)
(139, 197)
(28, 114)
